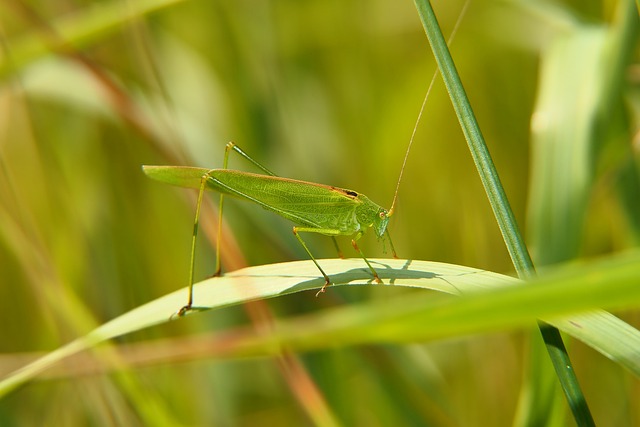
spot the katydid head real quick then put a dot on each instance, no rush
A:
(369, 214)
(380, 222)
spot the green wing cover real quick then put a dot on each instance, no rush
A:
(304, 203)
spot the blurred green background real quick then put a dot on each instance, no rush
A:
(323, 91)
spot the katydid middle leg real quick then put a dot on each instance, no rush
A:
(327, 281)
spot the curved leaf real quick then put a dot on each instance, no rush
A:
(488, 301)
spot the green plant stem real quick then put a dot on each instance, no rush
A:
(500, 205)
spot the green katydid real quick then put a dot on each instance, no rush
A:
(314, 208)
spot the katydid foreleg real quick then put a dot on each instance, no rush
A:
(393, 250)
(357, 248)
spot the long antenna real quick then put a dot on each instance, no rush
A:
(424, 102)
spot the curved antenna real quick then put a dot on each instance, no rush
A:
(424, 102)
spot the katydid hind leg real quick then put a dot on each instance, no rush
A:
(219, 240)
(240, 151)
(225, 165)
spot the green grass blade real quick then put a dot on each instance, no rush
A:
(500, 204)
(487, 302)
(479, 151)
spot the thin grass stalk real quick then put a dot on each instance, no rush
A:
(501, 207)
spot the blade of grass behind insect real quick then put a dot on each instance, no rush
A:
(500, 205)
